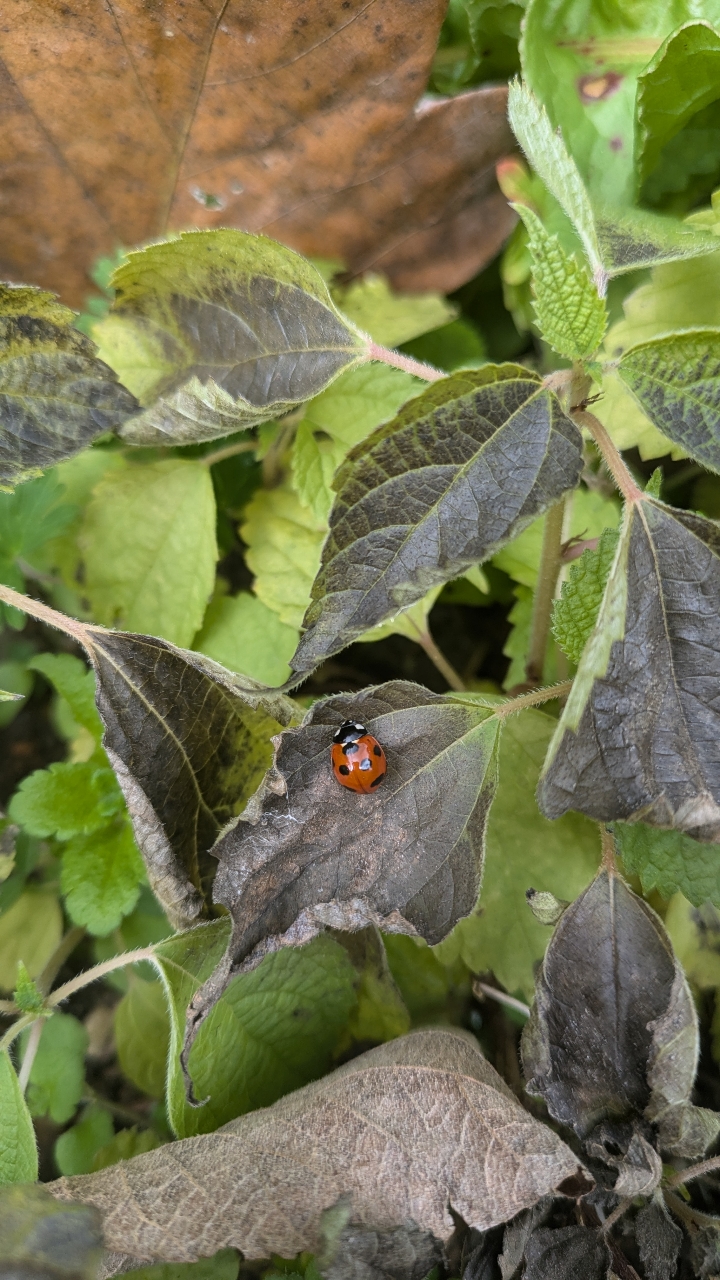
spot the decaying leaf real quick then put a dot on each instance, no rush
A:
(638, 738)
(659, 1239)
(308, 853)
(43, 1240)
(405, 1131)
(565, 1254)
(352, 1251)
(460, 470)
(55, 395)
(248, 115)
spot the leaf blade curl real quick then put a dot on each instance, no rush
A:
(459, 471)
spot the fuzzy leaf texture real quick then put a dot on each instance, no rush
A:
(217, 330)
(575, 613)
(18, 1152)
(638, 737)
(571, 315)
(670, 861)
(461, 469)
(676, 380)
(450, 1132)
(55, 395)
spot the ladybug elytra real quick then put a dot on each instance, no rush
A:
(358, 760)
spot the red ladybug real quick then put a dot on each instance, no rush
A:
(358, 760)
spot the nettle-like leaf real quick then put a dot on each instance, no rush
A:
(571, 314)
(217, 330)
(55, 395)
(676, 379)
(670, 861)
(461, 469)
(18, 1152)
(57, 1075)
(679, 81)
(575, 613)
(638, 737)
(612, 1040)
(40, 1238)
(452, 1134)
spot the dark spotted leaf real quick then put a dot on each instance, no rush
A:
(677, 382)
(55, 395)
(404, 1131)
(639, 735)
(461, 469)
(41, 1239)
(217, 330)
(309, 853)
(565, 1254)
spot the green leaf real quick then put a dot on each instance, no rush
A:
(55, 395)
(315, 459)
(75, 682)
(58, 1071)
(67, 799)
(223, 1266)
(669, 861)
(101, 876)
(75, 1150)
(30, 930)
(216, 330)
(271, 1031)
(27, 995)
(380, 1014)
(676, 380)
(575, 613)
(244, 635)
(126, 1144)
(18, 1152)
(517, 645)
(142, 1035)
(150, 550)
(284, 540)
(18, 684)
(41, 1237)
(523, 851)
(32, 514)
(679, 81)
(360, 401)
(571, 315)
(652, 654)
(390, 318)
(430, 990)
(433, 493)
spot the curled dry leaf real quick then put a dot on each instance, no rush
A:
(244, 114)
(638, 738)
(461, 469)
(405, 1131)
(189, 742)
(407, 857)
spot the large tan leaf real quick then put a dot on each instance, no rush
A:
(406, 1130)
(123, 121)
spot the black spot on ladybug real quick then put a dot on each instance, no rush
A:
(344, 769)
(349, 748)
(377, 751)
(377, 780)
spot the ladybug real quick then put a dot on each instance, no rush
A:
(358, 760)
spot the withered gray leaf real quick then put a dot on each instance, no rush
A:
(676, 379)
(639, 738)
(309, 853)
(705, 1252)
(659, 1239)
(565, 1254)
(461, 469)
(363, 1253)
(608, 974)
(41, 1239)
(55, 395)
(405, 1131)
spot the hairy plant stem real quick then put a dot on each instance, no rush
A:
(613, 461)
(694, 1171)
(230, 450)
(43, 613)
(533, 699)
(14, 1031)
(98, 971)
(550, 565)
(617, 1213)
(438, 659)
(687, 1215)
(501, 997)
(33, 1045)
(406, 363)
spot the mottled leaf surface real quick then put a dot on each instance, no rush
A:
(461, 469)
(217, 330)
(638, 738)
(405, 1130)
(40, 1238)
(55, 395)
(677, 382)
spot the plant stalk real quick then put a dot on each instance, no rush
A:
(406, 363)
(501, 997)
(43, 613)
(610, 454)
(533, 699)
(33, 1045)
(99, 971)
(437, 657)
(230, 450)
(550, 565)
(694, 1171)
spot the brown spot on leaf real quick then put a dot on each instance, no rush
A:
(594, 88)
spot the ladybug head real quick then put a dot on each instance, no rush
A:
(349, 731)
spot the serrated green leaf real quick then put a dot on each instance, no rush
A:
(517, 645)
(390, 318)
(75, 682)
(669, 861)
(126, 1144)
(575, 613)
(676, 380)
(314, 462)
(101, 876)
(32, 514)
(359, 401)
(142, 1035)
(284, 540)
(75, 1150)
(67, 799)
(55, 395)
(18, 1152)
(216, 330)
(30, 930)
(523, 851)
(58, 1071)
(571, 315)
(27, 995)
(679, 81)
(149, 548)
(223, 1266)
(431, 494)
(271, 1031)
(244, 635)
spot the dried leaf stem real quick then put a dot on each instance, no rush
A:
(550, 565)
(43, 613)
(608, 849)
(533, 699)
(501, 997)
(694, 1171)
(617, 1213)
(406, 363)
(610, 454)
(688, 1215)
